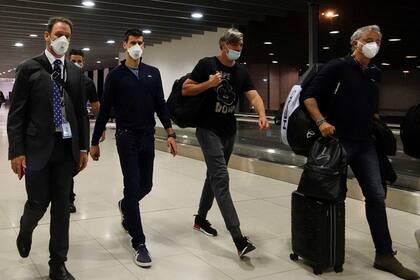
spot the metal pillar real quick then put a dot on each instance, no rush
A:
(313, 28)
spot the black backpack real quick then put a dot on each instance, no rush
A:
(410, 132)
(186, 111)
(183, 110)
(325, 173)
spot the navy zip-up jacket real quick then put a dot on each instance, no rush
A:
(134, 99)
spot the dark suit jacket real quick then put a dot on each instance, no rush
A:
(30, 126)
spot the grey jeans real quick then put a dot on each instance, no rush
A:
(217, 151)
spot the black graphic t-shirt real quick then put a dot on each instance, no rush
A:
(218, 112)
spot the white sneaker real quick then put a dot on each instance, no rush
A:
(417, 235)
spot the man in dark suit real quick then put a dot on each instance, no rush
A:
(48, 133)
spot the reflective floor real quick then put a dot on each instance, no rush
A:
(99, 247)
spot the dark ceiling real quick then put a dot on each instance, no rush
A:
(289, 34)
(282, 22)
(107, 20)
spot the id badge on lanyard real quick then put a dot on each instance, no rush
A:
(65, 126)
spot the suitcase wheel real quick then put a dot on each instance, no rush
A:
(338, 268)
(317, 270)
(294, 257)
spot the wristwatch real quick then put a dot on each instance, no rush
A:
(173, 135)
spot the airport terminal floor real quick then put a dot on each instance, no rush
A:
(100, 248)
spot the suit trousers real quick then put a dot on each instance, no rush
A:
(52, 185)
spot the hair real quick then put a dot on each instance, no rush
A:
(132, 32)
(52, 21)
(77, 52)
(362, 30)
(231, 36)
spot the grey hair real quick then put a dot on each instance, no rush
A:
(359, 33)
(231, 36)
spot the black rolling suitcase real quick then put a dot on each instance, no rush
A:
(318, 232)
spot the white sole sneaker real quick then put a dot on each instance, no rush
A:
(142, 264)
(203, 231)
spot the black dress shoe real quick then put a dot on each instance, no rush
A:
(24, 243)
(60, 272)
(72, 207)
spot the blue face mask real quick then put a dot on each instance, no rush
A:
(233, 55)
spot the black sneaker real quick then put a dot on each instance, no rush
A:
(123, 222)
(204, 226)
(142, 257)
(243, 245)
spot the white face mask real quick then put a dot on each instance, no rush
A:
(60, 45)
(78, 65)
(135, 52)
(370, 50)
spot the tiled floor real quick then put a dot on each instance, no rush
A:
(99, 248)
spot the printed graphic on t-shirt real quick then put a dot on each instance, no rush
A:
(226, 96)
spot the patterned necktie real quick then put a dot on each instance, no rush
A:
(58, 114)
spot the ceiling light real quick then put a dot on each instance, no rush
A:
(394, 39)
(147, 31)
(10, 70)
(88, 3)
(325, 48)
(243, 62)
(334, 32)
(110, 42)
(18, 44)
(418, 66)
(116, 57)
(411, 56)
(268, 43)
(196, 15)
(86, 49)
(265, 80)
(330, 14)
(385, 64)
(271, 54)
(33, 35)
(98, 62)
(274, 62)
(406, 72)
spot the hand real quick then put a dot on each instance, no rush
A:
(172, 146)
(215, 80)
(19, 166)
(103, 137)
(326, 129)
(263, 123)
(95, 152)
(83, 161)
